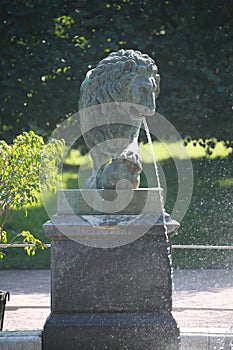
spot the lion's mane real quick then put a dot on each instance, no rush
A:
(109, 81)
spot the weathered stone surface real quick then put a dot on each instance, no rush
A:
(111, 278)
(111, 332)
(127, 202)
(116, 298)
(130, 80)
(30, 340)
(132, 278)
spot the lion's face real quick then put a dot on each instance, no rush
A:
(142, 92)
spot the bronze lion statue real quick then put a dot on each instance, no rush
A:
(114, 97)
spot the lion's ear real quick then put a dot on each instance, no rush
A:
(129, 66)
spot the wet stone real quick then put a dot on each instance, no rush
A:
(116, 297)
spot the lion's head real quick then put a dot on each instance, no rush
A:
(123, 76)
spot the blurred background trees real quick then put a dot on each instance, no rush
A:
(48, 46)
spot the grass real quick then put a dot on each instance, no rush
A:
(207, 221)
(162, 152)
(178, 151)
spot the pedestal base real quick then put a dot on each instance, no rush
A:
(111, 332)
(111, 282)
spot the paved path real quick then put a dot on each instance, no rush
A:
(201, 298)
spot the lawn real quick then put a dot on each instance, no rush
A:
(209, 218)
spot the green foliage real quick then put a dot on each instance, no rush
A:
(48, 46)
(20, 177)
(29, 238)
(209, 145)
(19, 171)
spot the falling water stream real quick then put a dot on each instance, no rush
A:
(157, 177)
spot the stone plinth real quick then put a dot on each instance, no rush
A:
(101, 202)
(117, 297)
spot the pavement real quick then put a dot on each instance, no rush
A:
(201, 299)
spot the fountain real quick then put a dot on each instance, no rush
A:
(111, 247)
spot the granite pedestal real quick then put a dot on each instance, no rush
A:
(112, 298)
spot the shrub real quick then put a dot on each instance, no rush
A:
(20, 178)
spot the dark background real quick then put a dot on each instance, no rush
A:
(46, 48)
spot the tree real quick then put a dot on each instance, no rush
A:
(20, 177)
(48, 46)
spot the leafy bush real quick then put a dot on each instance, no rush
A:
(20, 178)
